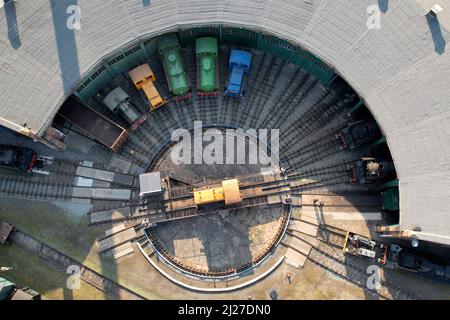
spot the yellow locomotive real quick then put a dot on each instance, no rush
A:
(144, 78)
(226, 193)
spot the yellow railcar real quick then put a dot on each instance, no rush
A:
(228, 193)
(208, 196)
(144, 78)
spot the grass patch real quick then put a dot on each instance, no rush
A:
(60, 229)
(67, 230)
(42, 277)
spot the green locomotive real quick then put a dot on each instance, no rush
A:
(207, 65)
(169, 50)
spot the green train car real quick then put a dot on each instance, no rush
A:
(207, 51)
(169, 50)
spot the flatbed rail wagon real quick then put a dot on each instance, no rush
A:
(93, 123)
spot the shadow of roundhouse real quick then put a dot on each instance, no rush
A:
(13, 28)
(219, 242)
(109, 269)
(383, 5)
(207, 243)
(65, 42)
(436, 33)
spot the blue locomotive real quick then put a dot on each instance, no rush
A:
(240, 62)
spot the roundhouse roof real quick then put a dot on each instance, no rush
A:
(401, 70)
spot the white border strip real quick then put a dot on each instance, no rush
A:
(239, 286)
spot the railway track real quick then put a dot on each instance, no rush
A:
(155, 213)
(191, 69)
(325, 151)
(355, 275)
(158, 70)
(290, 103)
(259, 88)
(42, 189)
(150, 129)
(262, 101)
(163, 122)
(322, 113)
(101, 205)
(313, 147)
(296, 130)
(62, 262)
(318, 116)
(172, 260)
(135, 153)
(18, 187)
(208, 110)
(182, 113)
(173, 110)
(287, 95)
(204, 110)
(145, 135)
(323, 110)
(274, 190)
(316, 111)
(57, 185)
(144, 142)
(339, 168)
(235, 106)
(294, 182)
(328, 254)
(299, 104)
(223, 68)
(328, 134)
(142, 145)
(318, 184)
